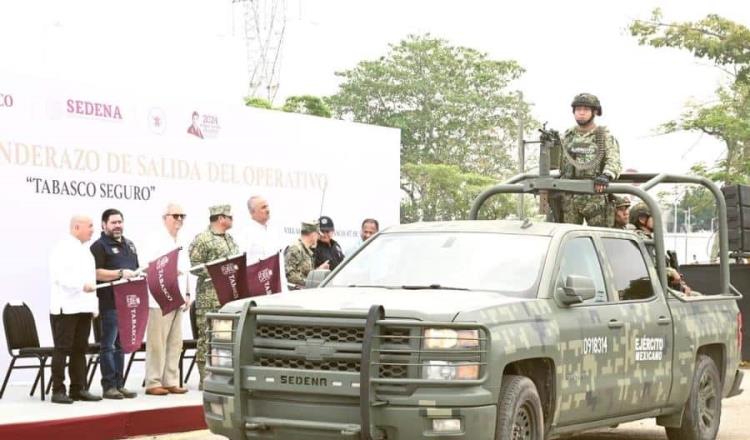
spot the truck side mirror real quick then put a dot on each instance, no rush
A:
(315, 277)
(577, 289)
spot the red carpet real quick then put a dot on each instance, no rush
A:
(110, 426)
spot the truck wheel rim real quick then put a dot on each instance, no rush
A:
(707, 402)
(523, 424)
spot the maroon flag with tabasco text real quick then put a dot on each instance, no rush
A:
(229, 279)
(163, 283)
(264, 277)
(131, 302)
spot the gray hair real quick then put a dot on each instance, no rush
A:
(251, 202)
(170, 206)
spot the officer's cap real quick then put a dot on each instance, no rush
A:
(326, 224)
(309, 227)
(225, 210)
(622, 202)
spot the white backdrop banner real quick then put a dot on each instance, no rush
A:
(67, 149)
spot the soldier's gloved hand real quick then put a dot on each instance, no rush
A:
(128, 274)
(601, 182)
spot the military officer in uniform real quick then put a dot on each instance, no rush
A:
(211, 244)
(589, 152)
(299, 256)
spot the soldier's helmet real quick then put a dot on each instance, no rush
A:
(622, 202)
(587, 100)
(639, 210)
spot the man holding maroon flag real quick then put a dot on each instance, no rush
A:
(167, 261)
(116, 259)
(212, 244)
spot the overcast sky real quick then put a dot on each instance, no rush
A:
(195, 47)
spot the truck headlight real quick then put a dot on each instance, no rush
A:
(221, 357)
(447, 370)
(446, 338)
(221, 329)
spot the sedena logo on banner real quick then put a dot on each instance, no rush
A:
(95, 110)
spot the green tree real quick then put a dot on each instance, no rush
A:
(700, 203)
(727, 45)
(444, 192)
(695, 199)
(308, 105)
(252, 101)
(454, 107)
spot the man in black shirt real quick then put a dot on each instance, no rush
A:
(116, 258)
(327, 249)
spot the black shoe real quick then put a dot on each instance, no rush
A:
(127, 394)
(85, 396)
(112, 393)
(61, 397)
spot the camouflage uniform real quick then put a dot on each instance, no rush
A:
(298, 259)
(207, 246)
(586, 155)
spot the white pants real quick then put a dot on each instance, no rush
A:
(163, 347)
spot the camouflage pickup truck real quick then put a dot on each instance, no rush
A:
(480, 330)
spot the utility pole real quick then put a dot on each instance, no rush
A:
(264, 29)
(521, 152)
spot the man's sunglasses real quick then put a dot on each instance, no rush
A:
(177, 216)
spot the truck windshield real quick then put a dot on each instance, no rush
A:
(505, 263)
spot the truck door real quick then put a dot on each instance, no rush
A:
(647, 356)
(586, 374)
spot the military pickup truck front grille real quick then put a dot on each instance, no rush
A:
(327, 334)
(275, 347)
(300, 333)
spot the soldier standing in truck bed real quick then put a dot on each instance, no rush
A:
(589, 152)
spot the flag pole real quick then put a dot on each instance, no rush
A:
(138, 275)
(178, 248)
(217, 261)
(118, 282)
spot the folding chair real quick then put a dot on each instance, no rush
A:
(189, 344)
(93, 350)
(21, 336)
(141, 349)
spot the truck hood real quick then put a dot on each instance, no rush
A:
(433, 305)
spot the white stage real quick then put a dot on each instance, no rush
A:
(17, 406)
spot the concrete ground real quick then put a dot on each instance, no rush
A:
(734, 426)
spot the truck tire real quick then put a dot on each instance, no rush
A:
(702, 412)
(519, 410)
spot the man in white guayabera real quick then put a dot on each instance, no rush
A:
(164, 332)
(73, 302)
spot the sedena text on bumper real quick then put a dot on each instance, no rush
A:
(289, 422)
